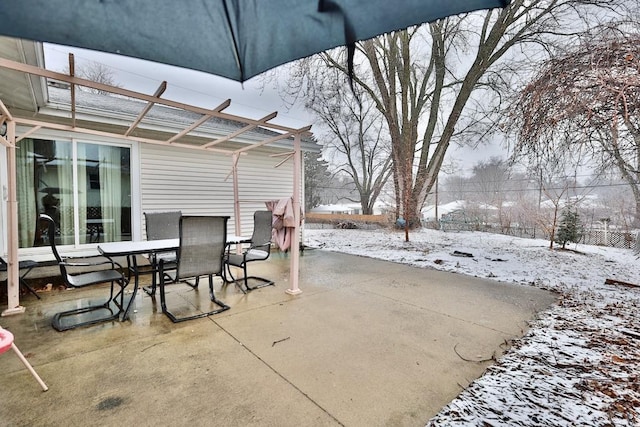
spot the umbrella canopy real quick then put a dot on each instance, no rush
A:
(237, 39)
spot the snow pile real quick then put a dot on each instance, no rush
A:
(579, 363)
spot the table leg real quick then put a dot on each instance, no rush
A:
(132, 265)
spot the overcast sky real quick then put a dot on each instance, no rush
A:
(208, 91)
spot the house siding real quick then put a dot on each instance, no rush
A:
(195, 182)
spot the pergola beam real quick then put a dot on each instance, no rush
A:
(27, 133)
(56, 126)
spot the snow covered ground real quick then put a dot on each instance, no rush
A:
(579, 363)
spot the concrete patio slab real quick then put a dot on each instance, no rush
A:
(367, 343)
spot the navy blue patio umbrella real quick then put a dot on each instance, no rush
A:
(237, 39)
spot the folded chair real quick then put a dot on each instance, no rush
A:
(106, 272)
(160, 226)
(28, 265)
(258, 250)
(203, 241)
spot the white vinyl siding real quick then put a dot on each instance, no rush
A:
(198, 182)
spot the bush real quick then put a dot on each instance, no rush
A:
(346, 225)
(569, 229)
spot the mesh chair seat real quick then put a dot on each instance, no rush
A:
(203, 241)
(93, 277)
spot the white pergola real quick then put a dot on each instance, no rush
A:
(180, 139)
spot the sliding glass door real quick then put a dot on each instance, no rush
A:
(84, 187)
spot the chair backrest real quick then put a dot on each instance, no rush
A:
(203, 240)
(262, 230)
(162, 225)
(51, 236)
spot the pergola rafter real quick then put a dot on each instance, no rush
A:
(248, 124)
(229, 137)
(146, 109)
(200, 122)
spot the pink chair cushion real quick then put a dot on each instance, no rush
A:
(6, 339)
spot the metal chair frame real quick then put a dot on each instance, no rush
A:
(259, 250)
(80, 280)
(28, 265)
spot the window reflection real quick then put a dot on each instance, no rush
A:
(97, 210)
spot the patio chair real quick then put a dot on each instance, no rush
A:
(202, 245)
(258, 250)
(159, 226)
(27, 265)
(103, 271)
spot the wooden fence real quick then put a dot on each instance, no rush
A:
(318, 218)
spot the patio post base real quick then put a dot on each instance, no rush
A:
(11, 311)
(293, 291)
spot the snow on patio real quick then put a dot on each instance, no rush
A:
(578, 364)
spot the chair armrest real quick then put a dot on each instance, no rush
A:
(257, 245)
(66, 262)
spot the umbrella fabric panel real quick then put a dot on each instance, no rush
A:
(237, 39)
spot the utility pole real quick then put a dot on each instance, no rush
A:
(436, 211)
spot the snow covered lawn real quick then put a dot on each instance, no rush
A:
(579, 363)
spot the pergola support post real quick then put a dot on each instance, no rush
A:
(13, 270)
(294, 271)
(236, 196)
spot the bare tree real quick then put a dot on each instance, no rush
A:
(96, 72)
(355, 139)
(587, 101)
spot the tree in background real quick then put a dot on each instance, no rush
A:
(96, 72)
(316, 178)
(587, 100)
(352, 135)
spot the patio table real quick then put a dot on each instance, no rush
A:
(131, 250)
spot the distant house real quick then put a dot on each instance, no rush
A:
(332, 209)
